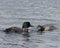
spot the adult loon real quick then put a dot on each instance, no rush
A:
(24, 28)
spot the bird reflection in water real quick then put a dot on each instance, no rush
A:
(26, 36)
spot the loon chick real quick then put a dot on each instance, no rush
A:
(46, 27)
(49, 27)
(40, 28)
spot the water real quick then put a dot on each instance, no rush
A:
(15, 12)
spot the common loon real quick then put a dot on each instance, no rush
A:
(24, 28)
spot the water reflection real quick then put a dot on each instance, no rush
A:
(26, 36)
(40, 32)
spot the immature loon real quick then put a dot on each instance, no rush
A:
(46, 27)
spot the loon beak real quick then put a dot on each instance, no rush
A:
(31, 26)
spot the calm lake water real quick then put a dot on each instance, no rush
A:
(15, 12)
